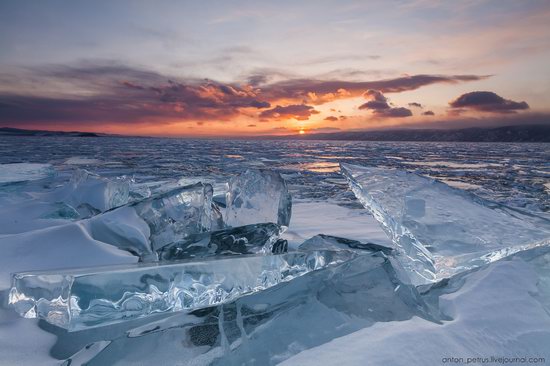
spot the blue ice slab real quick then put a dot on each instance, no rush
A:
(90, 297)
(440, 231)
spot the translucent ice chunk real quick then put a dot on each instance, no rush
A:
(439, 230)
(293, 316)
(257, 196)
(329, 242)
(88, 297)
(155, 222)
(91, 194)
(249, 239)
(20, 172)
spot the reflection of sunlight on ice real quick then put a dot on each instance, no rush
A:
(336, 157)
(460, 185)
(317, 167)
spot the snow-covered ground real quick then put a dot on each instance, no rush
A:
(493, 314)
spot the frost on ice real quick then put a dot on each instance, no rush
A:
(21, 172)
(438, 230)
(258, 196)
(87, 297)
(91, 194)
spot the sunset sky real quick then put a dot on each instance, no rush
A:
(177, 68)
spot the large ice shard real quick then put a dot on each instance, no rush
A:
(249, 239)
(88, 297)
(258, 196)
(439, 230)
(91, 194)
(270, 326)
(153, 223)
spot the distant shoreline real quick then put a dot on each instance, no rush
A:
(528, 133)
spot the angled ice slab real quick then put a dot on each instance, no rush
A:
(305, 312)
(439, 230)
(88, 297)
(257, 196)
(148, 225)
(249, 239)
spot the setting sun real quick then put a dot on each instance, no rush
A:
(302, 132)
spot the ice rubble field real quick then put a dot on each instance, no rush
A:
(232, 262)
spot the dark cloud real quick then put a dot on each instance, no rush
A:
(428, 113)
(331, 118)
(300, 112)
(398, 112)
(375, 105)
(415, 104)
(321, 91)
(378, 102)
(487, 101)
(256, 80)
(380, 106)
(251, 126)
(375, 96)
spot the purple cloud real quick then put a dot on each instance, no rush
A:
(380, 106)
(300, 112)
(486, 101)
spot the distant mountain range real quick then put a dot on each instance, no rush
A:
(8, 131)
(529, 133)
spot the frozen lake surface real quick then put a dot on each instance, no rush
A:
(361, 312)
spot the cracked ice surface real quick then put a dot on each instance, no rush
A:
(87, 297)
(440, 230)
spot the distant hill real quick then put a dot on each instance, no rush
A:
(8, 131)
(532, 133)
